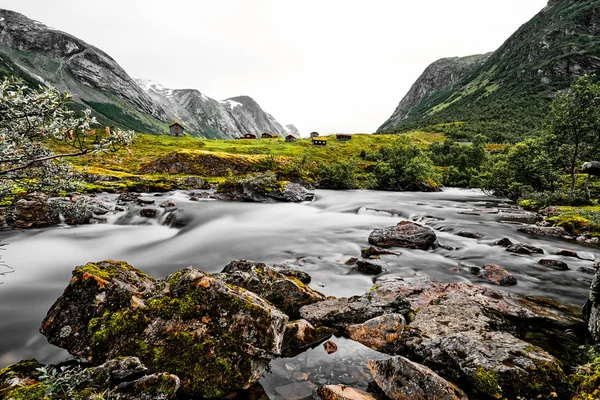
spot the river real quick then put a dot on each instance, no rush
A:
(316, 237)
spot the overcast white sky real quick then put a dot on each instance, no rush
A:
(325, 65)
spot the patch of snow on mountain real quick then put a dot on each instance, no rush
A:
(231, 103)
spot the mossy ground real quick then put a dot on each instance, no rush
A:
(254, 155)
(184, 326)
(577, 220)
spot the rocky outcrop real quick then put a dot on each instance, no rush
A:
(551, 231)
(284, 292)
(406, 234)
(480, 338)
(441, 74)
(343, 311)
(37, 210)
(591, 168)
(72, 65)
(263, 188)
(215, 337)
(402, 379)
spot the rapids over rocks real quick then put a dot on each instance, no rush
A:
(315, 237)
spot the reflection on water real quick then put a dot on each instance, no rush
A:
(297, 377)
(317, 237)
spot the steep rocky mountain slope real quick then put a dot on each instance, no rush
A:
(36, 52)
(506, 94)
(207, 117)
(42, 55)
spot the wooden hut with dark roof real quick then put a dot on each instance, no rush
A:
(176, 129)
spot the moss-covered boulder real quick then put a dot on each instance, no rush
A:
(285, 292)
(215, 337)
(263, 187)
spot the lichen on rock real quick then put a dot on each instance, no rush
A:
(215, 337)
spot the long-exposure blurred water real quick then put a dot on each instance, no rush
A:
(316, 237)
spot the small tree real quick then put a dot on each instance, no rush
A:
(30, 121)
(574, 123)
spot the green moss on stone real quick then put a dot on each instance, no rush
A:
(36, 391)
(486, 382)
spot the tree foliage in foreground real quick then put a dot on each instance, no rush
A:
(574, 124)
(32, 119)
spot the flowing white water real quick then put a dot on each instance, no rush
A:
(316, 237)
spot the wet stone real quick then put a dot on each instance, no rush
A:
(148, 212)
(406, 234)
(330, 347)
(368, 267)
(469, 235)
(551, 231)
(342, 392)
(521, 248)
(374, 252)
(554, 264)
(587, 270)
(497, 275)
(469, 268)
(504, 242)
(351, 261)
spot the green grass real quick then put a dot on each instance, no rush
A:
(146, 148)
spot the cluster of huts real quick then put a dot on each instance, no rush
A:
(176, 129)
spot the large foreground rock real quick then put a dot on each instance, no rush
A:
(406, 234)
(402, 379)
(285, 292)
(215, 337)
(487, 341)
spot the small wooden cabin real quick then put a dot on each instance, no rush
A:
(319, 142)
(250, 136)
(176, 129)
(290, 138)
(314, 134)
(267, 135)
(342, 137)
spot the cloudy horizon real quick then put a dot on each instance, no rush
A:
(334, 66)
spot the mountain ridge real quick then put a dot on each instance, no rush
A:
(217, 119)
(42, 55)
(508, 95)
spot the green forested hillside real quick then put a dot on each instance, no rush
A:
(508, 96)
